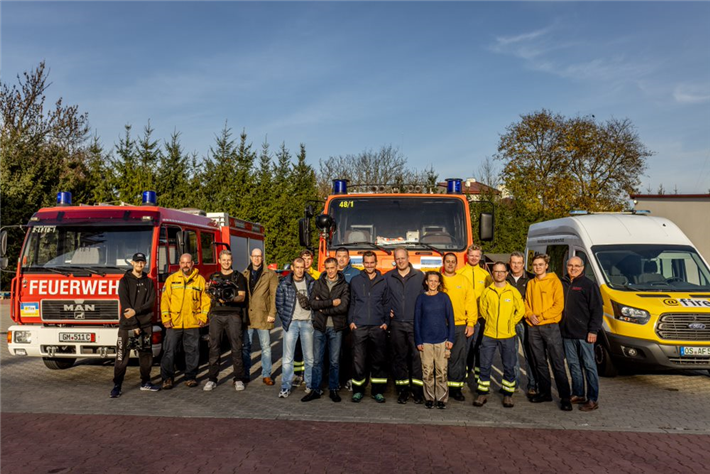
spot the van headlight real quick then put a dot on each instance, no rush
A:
(630, 314)
(22, 337)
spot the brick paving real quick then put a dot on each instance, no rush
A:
(117, 444)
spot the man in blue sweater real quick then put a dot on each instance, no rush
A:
(368, 319)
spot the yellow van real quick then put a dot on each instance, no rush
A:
(655, 286)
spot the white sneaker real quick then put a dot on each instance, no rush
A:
(349, 385)
(308, 390)
(209, 386)
(239, 386)
(284, 393)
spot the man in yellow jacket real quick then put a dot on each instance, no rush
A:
(479, 279)
(501, 307)
(544, 303)
(463, 301)
(183, 309)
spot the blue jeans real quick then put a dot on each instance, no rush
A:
(265, 343)
(334, 339)
(508, 354)
(576, 349)
(304, 329)
(522, 339)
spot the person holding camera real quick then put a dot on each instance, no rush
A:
(228, 290)
(136, 294)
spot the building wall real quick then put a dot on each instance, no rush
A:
(691, 214)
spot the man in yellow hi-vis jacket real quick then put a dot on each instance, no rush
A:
(183, 309)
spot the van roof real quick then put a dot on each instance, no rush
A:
(609, 229)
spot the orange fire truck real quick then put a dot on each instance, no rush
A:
(381, 218)
(64, 295)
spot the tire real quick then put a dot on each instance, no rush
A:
(605, 365)
(57, 363)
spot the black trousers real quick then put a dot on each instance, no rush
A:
(407, 364)
(473, 348)
(231, 325)
(346, 357)
(369, 347)
(546, 341)
(456, 372)
(145, 358)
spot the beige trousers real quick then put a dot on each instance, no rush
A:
(434, 362)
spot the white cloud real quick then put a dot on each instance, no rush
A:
(692, 93)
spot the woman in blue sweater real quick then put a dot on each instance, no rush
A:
(434, 336)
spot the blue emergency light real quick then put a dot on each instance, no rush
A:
(150, 198)
(63, 198)
(453, 185)
(340, 186)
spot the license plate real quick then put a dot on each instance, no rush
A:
(77, 337)
(695, 351)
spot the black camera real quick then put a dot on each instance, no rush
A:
(140, 343)
(224, 290)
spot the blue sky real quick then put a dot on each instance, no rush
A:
(441, 81)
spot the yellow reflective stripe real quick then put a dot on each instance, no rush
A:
(418, 382)
(359, 382)
(477, 370)
(483, 388)
(487, 383)
(374, 380)
(298, 364)
(455, 384)
(508, 384)
(508, 389)
(166, 312)
(401, 382)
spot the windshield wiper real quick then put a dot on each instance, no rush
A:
(370, 244)
(86, 269)
(431, 247)
(52, 269)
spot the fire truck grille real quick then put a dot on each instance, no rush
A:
(684, 326)
(80, 310)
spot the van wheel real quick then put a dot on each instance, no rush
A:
(57, 363)
(605, 365)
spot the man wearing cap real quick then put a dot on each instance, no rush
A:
(184, 308)
(136, 294)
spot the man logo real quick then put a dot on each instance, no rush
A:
(79, 310)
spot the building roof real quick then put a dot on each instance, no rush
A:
(471, 186)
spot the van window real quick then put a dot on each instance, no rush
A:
(588, 270)
(558, 259)
(191, 244)
(207, 244)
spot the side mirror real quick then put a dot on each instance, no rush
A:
(304, 232)
(485, 227)
(3, 243)
(3, 263)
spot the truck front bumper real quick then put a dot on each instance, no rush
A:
(43, 341)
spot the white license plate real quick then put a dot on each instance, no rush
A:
(695, 351)
(77, 337)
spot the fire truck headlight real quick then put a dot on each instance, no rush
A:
(22, 337)
(630, 314)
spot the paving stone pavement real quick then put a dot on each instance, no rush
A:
(64, 420)
(118, 444)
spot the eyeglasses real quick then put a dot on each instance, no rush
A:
(500, 271)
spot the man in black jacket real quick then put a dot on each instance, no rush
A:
(519, 278)
(404, 285)
(581, 321)
(329, 301)
(368, 320)
(136, 294)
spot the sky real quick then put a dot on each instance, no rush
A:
(440, 81)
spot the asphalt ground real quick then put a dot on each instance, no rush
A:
(63, 421)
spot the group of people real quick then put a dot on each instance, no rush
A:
(428, 330)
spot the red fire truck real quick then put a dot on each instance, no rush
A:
(380, 218)
(64, 295)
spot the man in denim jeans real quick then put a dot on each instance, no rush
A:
(330, 299)
(581, 321)
(294, 311)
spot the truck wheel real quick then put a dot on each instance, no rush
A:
(57, 363)
(605, 365)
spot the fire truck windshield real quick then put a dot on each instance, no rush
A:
(407, 221)
(89, 248)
